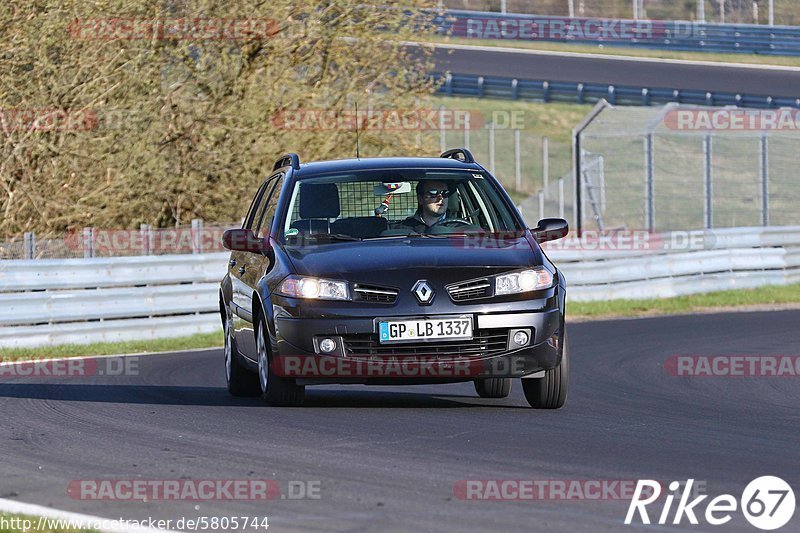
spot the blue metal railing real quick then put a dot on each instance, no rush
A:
(667, 35)
(586, 93)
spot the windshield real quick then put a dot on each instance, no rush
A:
(394, 203)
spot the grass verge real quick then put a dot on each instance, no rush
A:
(202, 340)
(750, 59)
(770, 296)
(762, 299)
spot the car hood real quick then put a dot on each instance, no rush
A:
(387, 261)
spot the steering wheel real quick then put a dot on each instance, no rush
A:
(451, 221)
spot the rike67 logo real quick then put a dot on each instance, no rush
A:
(767, 503)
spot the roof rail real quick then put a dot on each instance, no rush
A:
(292, 160)
(459, 154)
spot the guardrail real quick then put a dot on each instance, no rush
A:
(66, 301)
(62, 301)
(659, 34)
(588, 93)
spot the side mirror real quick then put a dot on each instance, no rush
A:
(550, 229)
(244, 240)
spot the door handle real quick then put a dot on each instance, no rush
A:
(232, 262)
(241, 270)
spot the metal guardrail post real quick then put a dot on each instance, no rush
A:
(480, 86)
(515, 89)
(546, 91)
(645, 96)
(448, 84)
(708, 190)
(612, 94)
(561, 197)
(580, 96)
(764, 176)
(649, 197)
(29, 243)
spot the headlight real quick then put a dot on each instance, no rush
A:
(523, 281)
(314, 288)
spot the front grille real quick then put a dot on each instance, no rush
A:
(485, 343)
(380, 295)
(470, 290)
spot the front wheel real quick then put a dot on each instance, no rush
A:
(550, 391)
(493, 387)
(275, 390)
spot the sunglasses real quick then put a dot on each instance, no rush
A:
(433, 193)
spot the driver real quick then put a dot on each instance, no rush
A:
(432, 198)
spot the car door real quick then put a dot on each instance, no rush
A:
(242, 321)
(251, 266)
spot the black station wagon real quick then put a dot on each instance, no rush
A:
(391, 271)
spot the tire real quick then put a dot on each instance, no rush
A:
(493, 387)
(241, 382)
(550, 391)
(275, 390)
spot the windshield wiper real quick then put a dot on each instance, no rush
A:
(338, 237)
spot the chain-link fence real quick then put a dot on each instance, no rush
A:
(688, 167)
(784, 12)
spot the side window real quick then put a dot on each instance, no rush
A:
(268, 209)
(255, 205)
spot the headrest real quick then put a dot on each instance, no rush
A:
(319, 200)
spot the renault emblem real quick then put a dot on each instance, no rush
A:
(423, 291)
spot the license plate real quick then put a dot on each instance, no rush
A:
(421, 329)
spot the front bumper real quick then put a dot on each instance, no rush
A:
(360, 358)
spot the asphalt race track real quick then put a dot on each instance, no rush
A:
(388, 458)
(639, 73)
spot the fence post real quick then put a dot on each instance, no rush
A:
(764, 175)
(197, 236)
(442, 132)
(708, 190)
(29, 244)
(503, 6)
(560, 197)
(546, 164)
(88, 242)
(649, 207)
(771, 12)
(467, 127)
(701, 11)
(491, 147)
(517, 160)
(541, 204)
(144, 231)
